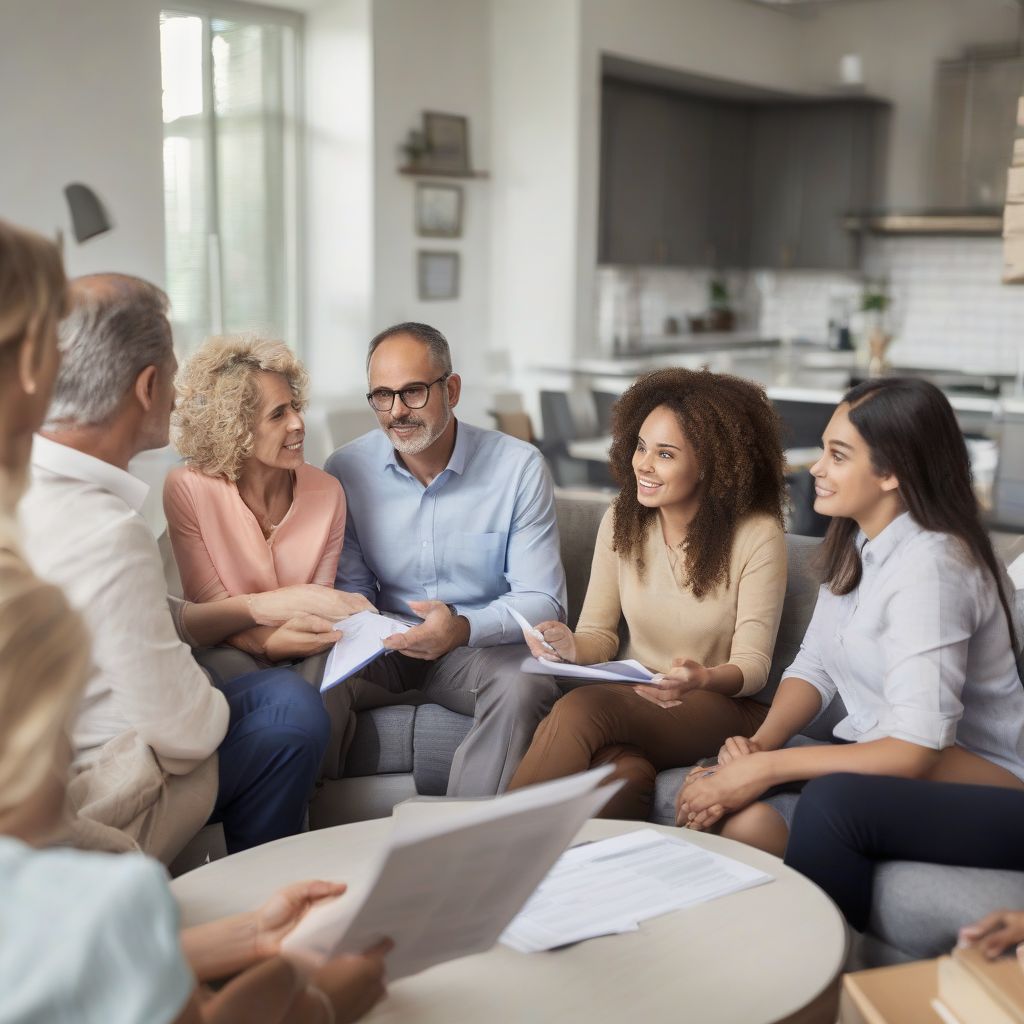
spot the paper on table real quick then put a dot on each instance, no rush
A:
(610, 886)
(628, 671)
(448, 888)
(360, 643)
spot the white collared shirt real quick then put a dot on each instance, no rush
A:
(920, 650)
(82, 530)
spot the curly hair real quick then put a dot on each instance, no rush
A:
(735, 436)
(219, 399)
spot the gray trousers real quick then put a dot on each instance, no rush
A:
(506, 703)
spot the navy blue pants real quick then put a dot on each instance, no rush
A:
(270, 757)
(845, 824)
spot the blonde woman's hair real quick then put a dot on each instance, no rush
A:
(33, 288)
(44, 664)
(219, 399)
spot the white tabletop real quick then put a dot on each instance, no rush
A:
(750, 958)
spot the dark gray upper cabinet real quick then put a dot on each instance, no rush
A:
(692, 181)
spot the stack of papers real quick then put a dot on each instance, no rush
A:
(361, 642)
(628, 671)
(449, 884)
(609, 887)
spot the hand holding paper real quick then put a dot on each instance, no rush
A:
(361, 642)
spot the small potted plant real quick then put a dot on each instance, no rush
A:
(874, 303)
(720, 314)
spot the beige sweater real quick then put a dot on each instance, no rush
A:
(735, 624)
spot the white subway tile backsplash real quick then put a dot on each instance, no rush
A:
(949, 307)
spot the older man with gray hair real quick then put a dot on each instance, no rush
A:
(151, 720)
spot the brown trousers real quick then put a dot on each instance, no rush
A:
(608, 723)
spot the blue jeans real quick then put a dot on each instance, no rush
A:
(269, 759)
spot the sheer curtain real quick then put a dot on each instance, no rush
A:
(231, 149)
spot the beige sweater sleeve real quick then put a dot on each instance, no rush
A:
(761, 588)
(597, 633)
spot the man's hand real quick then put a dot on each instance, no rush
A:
(994, 934)
(276, 607)
(667, 690)
(438, 633)
(285, 909)
(300, 637)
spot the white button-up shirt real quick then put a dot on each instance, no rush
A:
(82, 530)
(920, 650)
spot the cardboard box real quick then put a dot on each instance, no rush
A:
(1013, 260)
(890, 995)
(1013, 220)
(1015, 185)
(980, 991)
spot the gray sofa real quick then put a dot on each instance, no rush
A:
(401, 751)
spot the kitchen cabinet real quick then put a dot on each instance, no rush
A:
(692, 181)
(672, 178)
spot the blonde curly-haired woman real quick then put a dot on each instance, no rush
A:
(247, 514)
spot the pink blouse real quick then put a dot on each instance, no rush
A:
(220, 548)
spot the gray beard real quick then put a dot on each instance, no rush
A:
(420, 443)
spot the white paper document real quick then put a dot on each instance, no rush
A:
(447, 886)
(361, 642)
(611, 886)
(628, 671)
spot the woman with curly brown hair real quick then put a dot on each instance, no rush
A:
(692, 556)
(247, 514)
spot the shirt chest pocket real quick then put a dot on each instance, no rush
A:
(476, 557)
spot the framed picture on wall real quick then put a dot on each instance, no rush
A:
(447, 143)
(437, 274)
(438, 210)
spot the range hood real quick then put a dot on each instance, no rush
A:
(974, 121)
(979, 223)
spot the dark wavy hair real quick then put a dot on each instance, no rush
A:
(734, 433)
(912, 433)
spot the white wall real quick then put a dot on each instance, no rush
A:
(433, 56)
(81, 102)
(900, 42)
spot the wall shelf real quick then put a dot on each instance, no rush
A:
(417, 172)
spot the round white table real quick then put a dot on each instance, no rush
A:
(768, 954)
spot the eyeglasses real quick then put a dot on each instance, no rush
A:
(414, 396)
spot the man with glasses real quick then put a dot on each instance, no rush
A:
(457, 525)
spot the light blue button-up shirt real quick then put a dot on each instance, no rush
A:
(481, 536)
(920, 650)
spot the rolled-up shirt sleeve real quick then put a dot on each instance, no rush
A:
(533, 566)
(808, 665)
(932, 617)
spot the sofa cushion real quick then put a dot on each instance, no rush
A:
(383, 741)
(579, 515)
(907, 914)
(436, 735)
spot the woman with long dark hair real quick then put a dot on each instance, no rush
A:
(913, 627)
(692, 558)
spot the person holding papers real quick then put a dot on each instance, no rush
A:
(691, 557)
(913, 629)
(457, 526)
(247, 514)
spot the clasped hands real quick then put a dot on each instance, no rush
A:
(709, 794)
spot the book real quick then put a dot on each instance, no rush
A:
(976, 990)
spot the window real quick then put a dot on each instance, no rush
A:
(231, 151)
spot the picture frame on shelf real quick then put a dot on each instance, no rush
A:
(447, 143)
(438, 210)
(437, 274)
